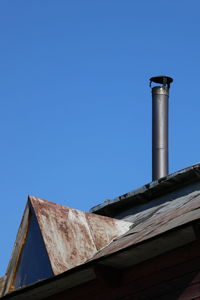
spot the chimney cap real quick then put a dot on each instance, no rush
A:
(162, 79)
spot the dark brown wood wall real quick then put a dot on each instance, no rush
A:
(175, 275)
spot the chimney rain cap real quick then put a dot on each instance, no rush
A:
(162, 79)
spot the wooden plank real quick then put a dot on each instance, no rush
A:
(167, 260)
(179, 285)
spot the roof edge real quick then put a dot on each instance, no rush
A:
(42, 286)
(149, 191)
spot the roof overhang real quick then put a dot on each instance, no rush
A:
(118, 260)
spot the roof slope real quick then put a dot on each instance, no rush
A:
(182, 208)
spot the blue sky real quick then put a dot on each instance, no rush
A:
(75, 102)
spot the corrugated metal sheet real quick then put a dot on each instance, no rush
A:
(71, 236)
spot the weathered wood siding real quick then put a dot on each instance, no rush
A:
(175, 275)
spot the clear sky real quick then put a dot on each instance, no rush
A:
(75, 102)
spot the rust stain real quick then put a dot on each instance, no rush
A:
(71, 236)
(105, 229)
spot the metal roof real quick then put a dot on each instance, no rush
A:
(173, 225)
(148, 192)
(161, 218)
(171, 221)
(70, 236)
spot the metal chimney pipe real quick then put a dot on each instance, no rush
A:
(160, 96)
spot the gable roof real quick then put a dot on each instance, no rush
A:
(69, 238)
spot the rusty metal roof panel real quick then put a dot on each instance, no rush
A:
(157, 221)
(104, 229)
(71, 236)
(66, 235)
